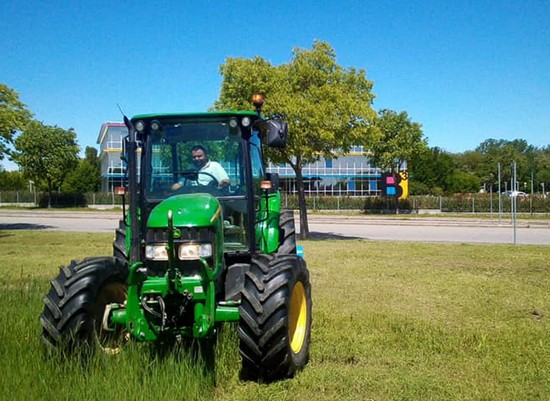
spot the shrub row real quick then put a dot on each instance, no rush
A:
(450, 204)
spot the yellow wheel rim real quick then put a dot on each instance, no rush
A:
(297, 318)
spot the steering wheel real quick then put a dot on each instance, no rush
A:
(193, 176)
(213, 183)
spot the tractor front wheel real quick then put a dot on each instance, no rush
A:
(275, 318)
(74, 308)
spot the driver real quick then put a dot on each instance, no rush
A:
(211, 169)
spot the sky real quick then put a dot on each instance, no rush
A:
(465, 70)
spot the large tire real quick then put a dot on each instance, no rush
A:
(74, 307)
(275, 318)
(287, 233)
(119, 244)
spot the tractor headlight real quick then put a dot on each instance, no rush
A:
(194, 251)
(245, 121)
(156, 252)
(140, 126)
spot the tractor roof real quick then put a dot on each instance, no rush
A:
(212, 114)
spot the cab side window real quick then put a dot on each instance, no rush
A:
(258, 172)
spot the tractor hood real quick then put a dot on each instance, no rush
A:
(190, 210)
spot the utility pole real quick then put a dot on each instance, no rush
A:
(514, 199)
(499, 197)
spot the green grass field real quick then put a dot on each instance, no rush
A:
(392, 321)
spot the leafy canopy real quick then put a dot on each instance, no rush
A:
(402, 140)
(46, 153)
(14, 117)
(86, 177)
(327, 107)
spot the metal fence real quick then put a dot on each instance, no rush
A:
(468, 203)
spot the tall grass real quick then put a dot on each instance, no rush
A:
(405, 321)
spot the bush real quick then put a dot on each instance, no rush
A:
(367, 204)
(63, 200)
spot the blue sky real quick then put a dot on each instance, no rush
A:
(466, 70)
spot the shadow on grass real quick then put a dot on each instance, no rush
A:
(322, 236)
(24, 226)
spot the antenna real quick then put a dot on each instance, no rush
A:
(124, 118)
(121, 112)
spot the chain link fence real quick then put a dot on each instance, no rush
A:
(468, 203)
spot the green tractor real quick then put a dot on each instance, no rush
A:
(199, 244)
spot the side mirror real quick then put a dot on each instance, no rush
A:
(277, 133)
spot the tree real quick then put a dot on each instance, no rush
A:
(86, 177)
(12, 180)
(493, 151)
(432, 168)
(463, 182)
(328, 107)
(542, 170)
(46, 154)
(14, 117)
(90, 155)
(402, 140)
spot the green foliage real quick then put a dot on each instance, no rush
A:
(431, 171)
(12, 181)
(531, 163)
(14, 117)
(46, 154)
(401, 141)
(62, 200)
(463, 182)
(327, 106)
(505, 152)
(367, 204)
(85, 178)
(90, 155)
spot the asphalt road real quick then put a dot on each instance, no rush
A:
(392, 228)
(433, 230)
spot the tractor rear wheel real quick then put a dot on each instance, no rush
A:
(72, 319)
(275, 318)
(287, 233)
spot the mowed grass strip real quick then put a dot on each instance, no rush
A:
(392, 321)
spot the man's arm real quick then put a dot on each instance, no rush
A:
(220, 174)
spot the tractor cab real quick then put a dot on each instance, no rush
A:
(231, 169)
(188, 159)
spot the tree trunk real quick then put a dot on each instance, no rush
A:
(49, 195)
(304, 228)
(396, 204)
(396, 173)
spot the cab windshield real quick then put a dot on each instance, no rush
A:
(201, 157)
(196, 156)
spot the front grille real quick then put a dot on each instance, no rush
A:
(198, 234)
(187, 268)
